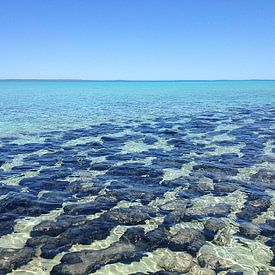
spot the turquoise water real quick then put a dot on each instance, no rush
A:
(137, 177)
(38, 105)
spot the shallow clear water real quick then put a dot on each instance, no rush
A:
(127, 177)
(38, 105)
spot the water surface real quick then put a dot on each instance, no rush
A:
(137, 177)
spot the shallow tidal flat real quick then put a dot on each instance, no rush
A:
(167, 195)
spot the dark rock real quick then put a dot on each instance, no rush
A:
(216, 169)
(136, 193)
(7, 222)
(157, 238)
(75, 162)
(261, 203)
(99, 204)
(180, 262)
(13, 258)
(271, 222)
(176, 211)
(190, 240)
(174, 162)
(150, 140)
(5, 189)
(174, 218)
(248, 213)
(264, 272)
(89, 261)
(100, 166)
(267, 230)
(264, 176)
(218, 210)
(37, 184)
(134, 170)
(234, 273)
(249, 230)
(225, 188)
(133, 235)
(132, 215)
(81, 190)
(58, 197)
(175, 205)
(25, 204)
(109, 139)
(255, 205)
(168, 132)
(212, 226)
(54, 228)
(83, 233)
(211, 261)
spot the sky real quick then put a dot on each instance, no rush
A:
(137, 39)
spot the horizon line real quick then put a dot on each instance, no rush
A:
(128, 80)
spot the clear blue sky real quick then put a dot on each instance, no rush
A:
(137, 39)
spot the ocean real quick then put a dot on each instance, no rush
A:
(137, 177)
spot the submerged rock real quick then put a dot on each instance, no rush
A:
(157, 238)
(211, 261)
(217, 210)
(187, 239)
(7, 222)
(83, 233)
(175, 205)
(176, 262)
(264, 176)
(71, 170)
(136, 193)
(212, 226)
(255, 205)
(267, 230)
(225, 188)
(88, 261)
(99, 204)
(13, 258)
(243, 255)
(25, 204)
(265, 272)
(133, 235)
(54, 228)
(131, 216)
(176, 211)
(215, 169)
(249, 230)
(173, 218)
